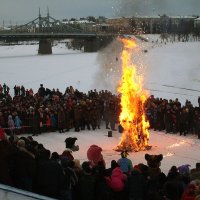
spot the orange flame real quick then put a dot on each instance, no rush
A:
(132, 117)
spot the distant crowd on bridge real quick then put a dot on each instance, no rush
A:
(50, 110)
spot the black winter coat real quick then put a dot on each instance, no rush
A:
(87, 187)
(136, 185)
(50, 178)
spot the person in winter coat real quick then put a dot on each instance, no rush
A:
(1, 88)
(70, 182)
(61, 120)
(18, 122)
(23, 167)
(67, 154)
(77, 117)
(94, 155)
(136, 185)
(35, 122)
(174, 186)
(5, 149)
(103, 191)
(2, 120)
(2, 134)
(48, 122)
(11, 125)
(50, 176)
(189, 193)
(125, 163)
(41, 90)
(117, 180)
(184, 121)
(87, 183)
(195, 173)
(54, 121)
(113, 164)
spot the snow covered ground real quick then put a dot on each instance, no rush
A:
(172, 70)
(177, 150)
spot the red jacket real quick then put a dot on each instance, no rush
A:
(2, 134)
(117, 180)
(189, 193)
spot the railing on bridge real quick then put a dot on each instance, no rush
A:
(46, 24)
(46, 29)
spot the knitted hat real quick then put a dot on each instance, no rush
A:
(124, 154)
(184, 169)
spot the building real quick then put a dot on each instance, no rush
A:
(154, 24)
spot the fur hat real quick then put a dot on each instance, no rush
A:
(70, 142)
(153, 161)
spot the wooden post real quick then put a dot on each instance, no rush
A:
(109, 133)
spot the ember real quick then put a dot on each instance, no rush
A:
(132, 117)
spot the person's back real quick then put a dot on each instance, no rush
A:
(195, 173)
(87, 183)
(125, 164)
(23, 169)
(50, 178)
(117, 180)
(136, 185)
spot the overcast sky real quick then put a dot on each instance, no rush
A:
(18, 11)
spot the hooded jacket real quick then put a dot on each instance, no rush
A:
(117, 180)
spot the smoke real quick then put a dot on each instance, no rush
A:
(158, 7)
(108, 74)
(109, 59)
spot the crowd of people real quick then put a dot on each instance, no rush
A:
(28, 165)
(173, 117)
(51, 110)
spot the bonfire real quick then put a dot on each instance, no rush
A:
(132, 118)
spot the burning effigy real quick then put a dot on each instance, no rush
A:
(132, 118)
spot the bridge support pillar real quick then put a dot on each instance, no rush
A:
(45, 47)
(95, 44)
(90, 45)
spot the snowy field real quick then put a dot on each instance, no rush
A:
(172, 70)
(177, 150)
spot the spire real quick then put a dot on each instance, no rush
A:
(47, 11)
(48, 17)
(39, 13)
(40, 21)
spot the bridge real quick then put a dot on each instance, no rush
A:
(46, 29)
(30, 36)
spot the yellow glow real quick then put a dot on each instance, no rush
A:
(132, 117)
